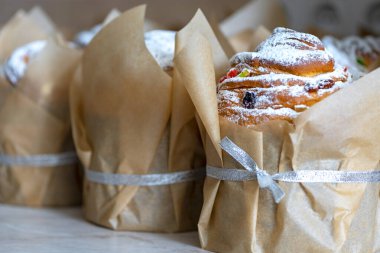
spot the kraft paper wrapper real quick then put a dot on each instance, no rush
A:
(243, 28)
(339, 133)
(267, 13)
(34, 118)
(248, 40)
(39, 16)
(131, 117)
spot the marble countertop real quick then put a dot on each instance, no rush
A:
(63, 230)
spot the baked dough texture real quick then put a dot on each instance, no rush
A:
(287, 73)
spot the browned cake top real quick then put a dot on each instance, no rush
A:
(287, 73)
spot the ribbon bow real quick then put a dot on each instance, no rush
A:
(264, 179)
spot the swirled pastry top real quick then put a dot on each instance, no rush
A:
(289, 51)
(287, 73)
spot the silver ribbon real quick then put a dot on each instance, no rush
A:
(264, 179)
(253, 172)
(145, 179)
(45, 160)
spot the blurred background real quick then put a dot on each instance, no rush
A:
(337, 17)
(82, 14)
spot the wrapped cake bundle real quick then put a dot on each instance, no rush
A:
(21, 29)
(360, 55)
(38, 165)
(135, 130)
(292, 147)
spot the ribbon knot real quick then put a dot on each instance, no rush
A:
(264, 179)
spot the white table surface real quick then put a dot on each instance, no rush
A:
(61, 230)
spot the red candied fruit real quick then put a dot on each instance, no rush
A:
(232, 73)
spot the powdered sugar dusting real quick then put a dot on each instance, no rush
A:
(242, 115)
(276, 79)
(82, 39)
(18, 62)
(287, 48)
(292, 57)
(160, 44)
(281, 36)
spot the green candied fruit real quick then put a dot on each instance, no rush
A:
(360, 61)
(244, 73)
